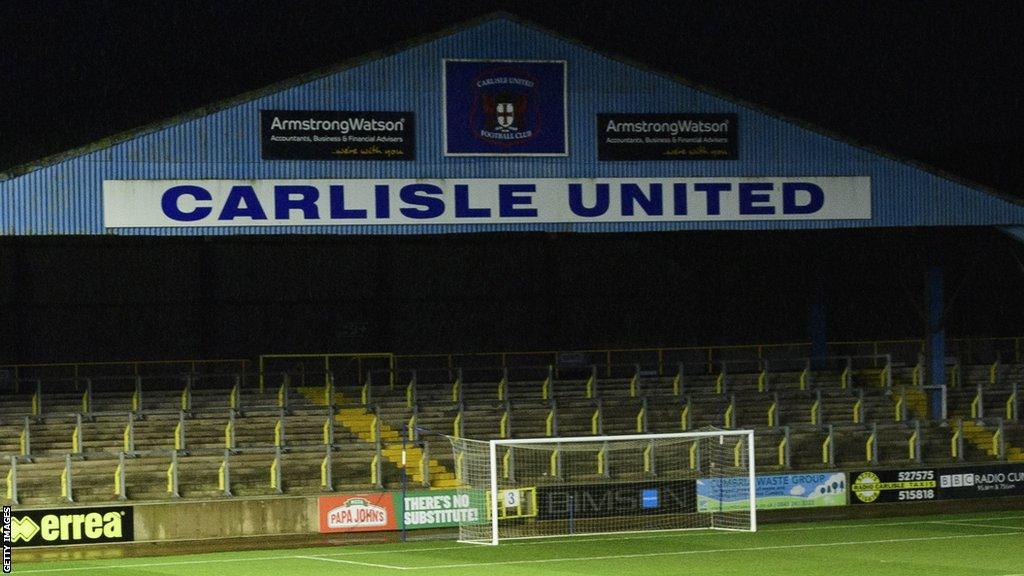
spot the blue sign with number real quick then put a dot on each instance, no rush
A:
(649, 498)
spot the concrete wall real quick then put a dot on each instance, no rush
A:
(225, 518)
(289, 522)
(296, 517)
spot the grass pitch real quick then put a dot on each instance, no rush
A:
(977, 544)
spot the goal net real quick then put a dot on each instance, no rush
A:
(545, 487)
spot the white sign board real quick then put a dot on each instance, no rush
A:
(226, 203)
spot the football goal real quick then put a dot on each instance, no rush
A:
(548, 487)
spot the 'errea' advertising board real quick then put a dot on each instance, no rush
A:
(372, 202)
(367, 512)
(440, 508)
(810, 490)
(69, 526)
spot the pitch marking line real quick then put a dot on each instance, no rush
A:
(154, 564)
(714, 551)
(550, 542)
(340, 561)
(973, 525)
(902, 523)
(559, 541)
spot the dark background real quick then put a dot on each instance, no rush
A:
(109, 298)
(935, 82)
(938, 81)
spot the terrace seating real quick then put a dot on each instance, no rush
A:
(865, 409)
(197, 437)
(58, 440)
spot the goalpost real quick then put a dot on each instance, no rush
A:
(549, 487)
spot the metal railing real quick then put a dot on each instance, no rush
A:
(970, 350)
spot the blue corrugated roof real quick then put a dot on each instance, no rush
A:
(65, 197)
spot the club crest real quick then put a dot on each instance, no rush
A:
(510, 107)
(505, 110)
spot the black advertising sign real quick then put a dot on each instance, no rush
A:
(66, 526)
(667, 137)
(982, 481)
(879, 486)
(912, 485)
(337, 135)
(616, 499)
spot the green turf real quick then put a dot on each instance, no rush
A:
(978, 544)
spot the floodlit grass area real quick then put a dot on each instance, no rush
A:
(978, 544)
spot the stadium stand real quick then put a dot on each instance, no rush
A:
(212, 434)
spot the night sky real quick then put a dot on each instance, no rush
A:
(937, 82)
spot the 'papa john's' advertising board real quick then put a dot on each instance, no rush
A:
(367, 512)
(774, 491)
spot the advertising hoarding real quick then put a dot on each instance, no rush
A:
(881, 486)
(365, 512)
(648, 498)
(440, 508)
(337, 135)
(981, 481)
(69, 526)
(667, 137)
(810, 490)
